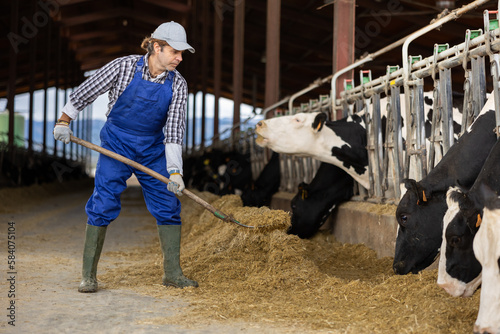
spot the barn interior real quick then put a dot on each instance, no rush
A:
(262, 54)
(258, 54)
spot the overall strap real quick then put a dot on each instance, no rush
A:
(139, 66)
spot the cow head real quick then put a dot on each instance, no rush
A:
(314, 202)
(419, 214)
(487, 250)
(459, 270)
(290, 134)
(306, 221)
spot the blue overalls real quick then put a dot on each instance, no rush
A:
(134, 130)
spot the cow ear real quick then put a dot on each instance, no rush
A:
(319, 121)
(410, 184)
(422, 194)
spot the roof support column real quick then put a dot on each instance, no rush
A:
(11, 87)
(343, 38)
(238, 52)
(193, 64)
(46, 78)
(56, 83)
(33, 51)
(272, 52)
(204, 67)
(217, 63)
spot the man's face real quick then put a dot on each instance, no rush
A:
(169, 58)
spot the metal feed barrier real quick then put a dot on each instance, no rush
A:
(388, 162)
(416, 161)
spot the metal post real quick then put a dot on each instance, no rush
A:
(446, 108)
(495, 64)
(478, 84)
(238, 61)
(33, 50)
(204, 67)
(56, 84)
(374, 141)
(217, 65)
(394, 140)
(11, 86)
(273, 26)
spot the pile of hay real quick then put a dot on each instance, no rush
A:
(266, 275)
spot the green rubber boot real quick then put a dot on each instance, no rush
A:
(94, 239)
(170, 242)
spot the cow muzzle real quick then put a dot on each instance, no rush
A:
(455, 289)
(259, 130)
(488, 330)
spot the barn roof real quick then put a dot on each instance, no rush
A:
(93, 32)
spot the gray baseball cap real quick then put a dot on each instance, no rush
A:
(174, 34)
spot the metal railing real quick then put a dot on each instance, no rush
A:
(388, 162)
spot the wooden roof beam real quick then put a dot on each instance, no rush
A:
(172, 5)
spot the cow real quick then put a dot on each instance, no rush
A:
(421, 209)
(341, 143)
(487, 249)
(219, 172)
(459, 270)
(314, 202)
(267, 184)
(235, 174)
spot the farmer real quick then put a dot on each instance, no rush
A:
(145, 123)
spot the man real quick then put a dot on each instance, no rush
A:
(145, 123)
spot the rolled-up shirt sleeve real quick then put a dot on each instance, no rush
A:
(176, 120)
(97, 84)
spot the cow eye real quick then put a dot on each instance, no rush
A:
(403, 219)
(454, 241)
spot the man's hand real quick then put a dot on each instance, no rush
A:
(176, 184)
(62, 132)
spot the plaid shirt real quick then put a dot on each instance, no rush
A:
(115, 76)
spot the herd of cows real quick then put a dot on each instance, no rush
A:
(453, 211)
(440, 214)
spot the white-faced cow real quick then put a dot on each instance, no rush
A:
(314, 202)
(341, 143)
(459, 270)
(487, 250)
(421, 209)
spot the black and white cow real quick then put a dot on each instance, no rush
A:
(235, 174)
(218, 172)
(341, 143)
(459, 270)
(487, 250)
(421, 209)
(267, 184)
(314, 202)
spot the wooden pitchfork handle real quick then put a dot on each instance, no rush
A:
(156, 175)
